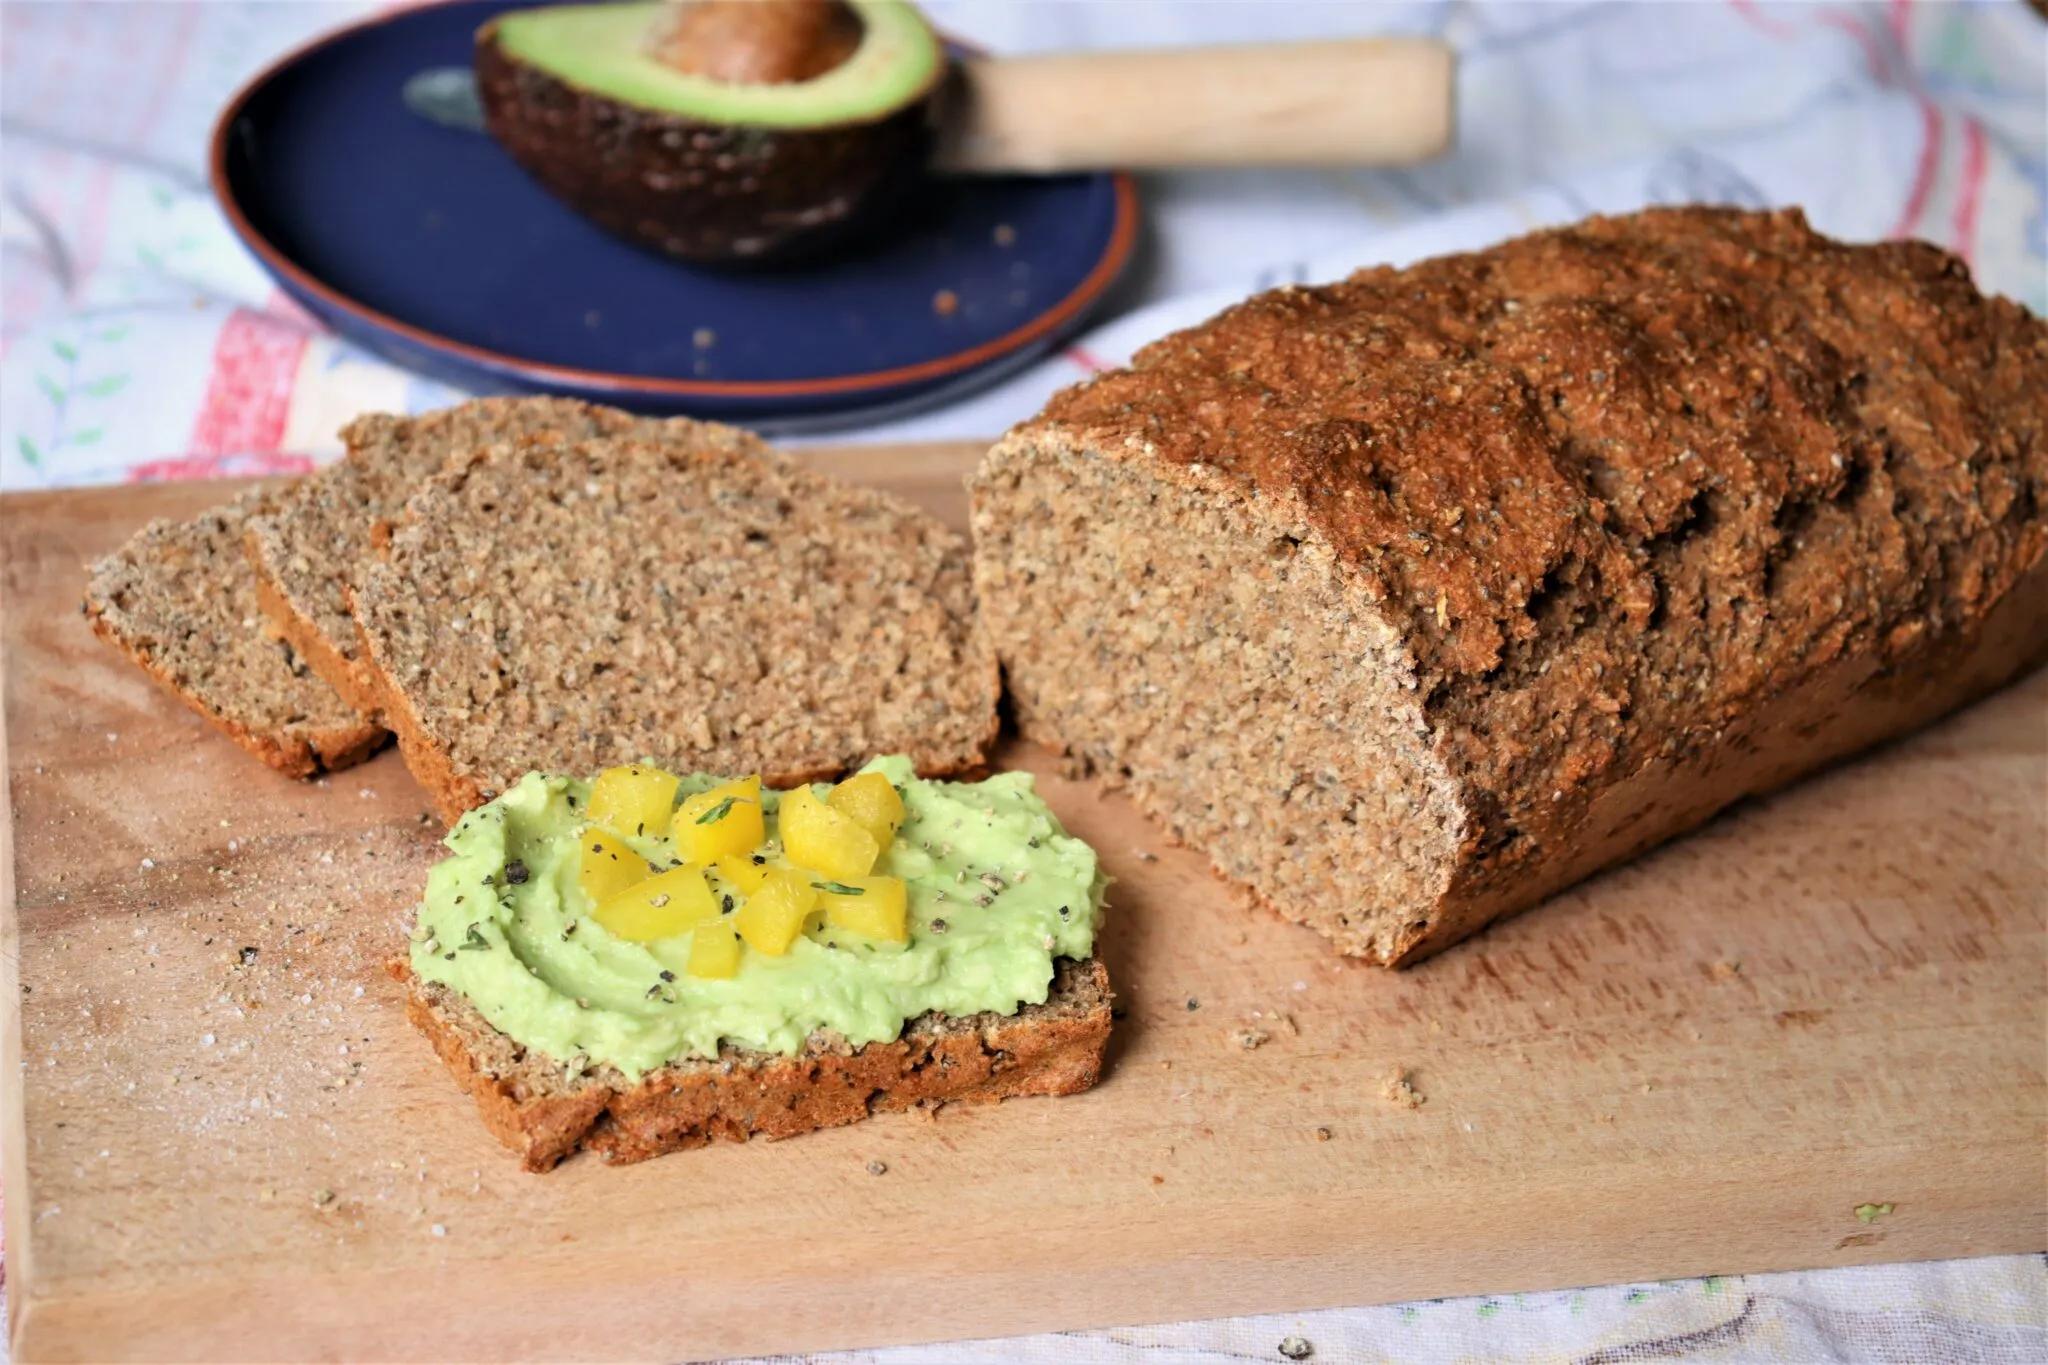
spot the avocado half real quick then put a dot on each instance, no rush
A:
(701, 168)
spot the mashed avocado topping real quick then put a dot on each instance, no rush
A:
(996, 890)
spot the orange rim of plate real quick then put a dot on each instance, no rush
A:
(1122, 236)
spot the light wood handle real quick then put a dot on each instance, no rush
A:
(1355, 102)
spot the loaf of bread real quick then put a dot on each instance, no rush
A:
(1414, 598)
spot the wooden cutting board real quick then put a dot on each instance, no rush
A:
(228, 1142)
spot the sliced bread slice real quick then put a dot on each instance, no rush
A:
(698, 600)
(180, 599)
(545, 1110)
(309, 547)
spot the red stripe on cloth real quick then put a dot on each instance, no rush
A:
(255, 362)
(1900, 18)
(175, 467)
(1088, 360)
(1924, 172)
(1970, 194)
(1769, 23)
(1873, 50)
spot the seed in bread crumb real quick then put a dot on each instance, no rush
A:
(322, 1198)
(878, 1168)
(1296, 1348)
(1399, 1089)
(1726, 970)
(1249, 1038)
(1146, 855)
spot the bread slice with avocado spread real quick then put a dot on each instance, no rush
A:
(180, 600)
(697, 599)
(642, 963)
(309, 545)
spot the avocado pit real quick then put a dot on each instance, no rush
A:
(756, 42)
(720, 130)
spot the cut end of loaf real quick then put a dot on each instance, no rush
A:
(1213, 658)
(545, 1112)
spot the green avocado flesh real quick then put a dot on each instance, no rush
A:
(603, 49)
(532, 959)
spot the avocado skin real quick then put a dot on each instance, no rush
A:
(698, 191)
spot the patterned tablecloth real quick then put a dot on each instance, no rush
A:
(140, 342)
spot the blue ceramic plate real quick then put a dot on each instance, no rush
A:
(422, 240)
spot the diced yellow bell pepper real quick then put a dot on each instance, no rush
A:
(714, 951)
(660, 907)
(726, 819)
(875, 906)
(830, 842)
(870, 799)
(773, 916)
(635, 798)
(607, 865)
(743, 872)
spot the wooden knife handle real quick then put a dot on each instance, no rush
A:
(1353, 102)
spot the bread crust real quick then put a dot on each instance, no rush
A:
(542, 1113)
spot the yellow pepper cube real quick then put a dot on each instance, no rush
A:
(607, 865)
(726, 819)
(870, 800)
(660, 907)
(773, 916)
(743, 872)
(875, 906)
(827, 841)
(714, 951)
(633, 799)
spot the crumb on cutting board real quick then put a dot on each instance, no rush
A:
(1398, 1088)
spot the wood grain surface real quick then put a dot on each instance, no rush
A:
(227, 1142)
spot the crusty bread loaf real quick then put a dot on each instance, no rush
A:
(543, 1110)
(698, 600)
(180, 599)
(310, 544)
(1414, 598)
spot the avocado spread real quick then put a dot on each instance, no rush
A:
(996, 890)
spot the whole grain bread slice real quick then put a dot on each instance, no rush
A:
(180, 599)
(699, 600)
(545, 1110)
(309, 546)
